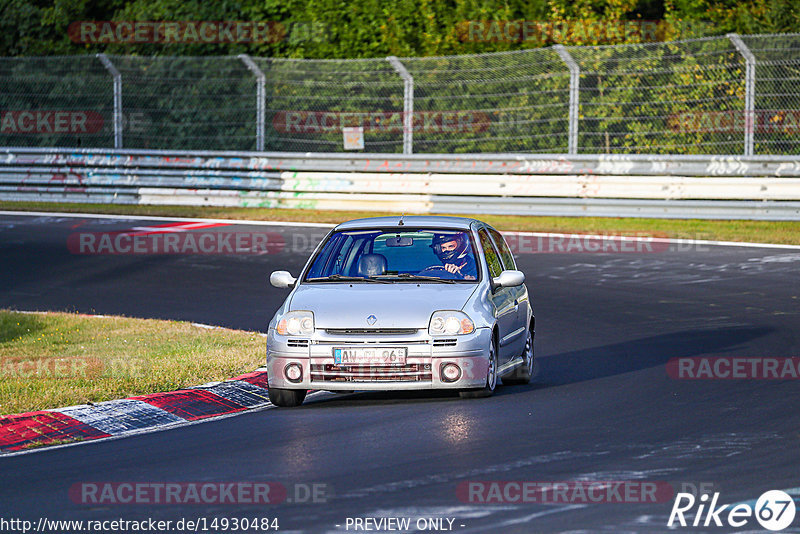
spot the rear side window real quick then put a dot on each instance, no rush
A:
(505, 252)
(492, 259)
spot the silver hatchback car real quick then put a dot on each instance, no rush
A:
(402, 303)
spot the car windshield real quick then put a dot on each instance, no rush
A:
(416, 255)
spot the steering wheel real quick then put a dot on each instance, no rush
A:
(433, 268)
(441, 272)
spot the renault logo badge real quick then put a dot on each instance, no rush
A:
(371, 319)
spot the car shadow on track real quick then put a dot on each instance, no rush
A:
(637, 354)
(379, 398)
(587, 364)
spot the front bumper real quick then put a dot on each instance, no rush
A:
(422, 370)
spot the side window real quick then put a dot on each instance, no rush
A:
(359, 246)
(341, 258)
(331, 250)
(492, 259)
(505, 252)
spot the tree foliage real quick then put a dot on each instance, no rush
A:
(377, 28)
(671, 97)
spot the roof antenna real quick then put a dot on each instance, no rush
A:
(401, 223)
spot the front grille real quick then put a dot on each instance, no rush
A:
(345, 342)
(413, 372)
(297, 342)
(446, 342)
(371, 331)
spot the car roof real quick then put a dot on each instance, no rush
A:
(415, 221)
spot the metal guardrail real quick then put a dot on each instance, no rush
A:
(601, 164)
(729, 187)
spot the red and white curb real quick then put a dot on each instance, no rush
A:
(186, 226)
(134, 414)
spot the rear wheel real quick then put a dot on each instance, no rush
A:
(286, 398)
(522, 374)
(491, 378)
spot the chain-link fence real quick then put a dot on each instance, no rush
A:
(720, 95)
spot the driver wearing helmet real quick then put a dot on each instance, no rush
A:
(453, 251)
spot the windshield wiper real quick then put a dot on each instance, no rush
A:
(409, 276)
(343, 278)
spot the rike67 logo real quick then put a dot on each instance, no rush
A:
(774, 510)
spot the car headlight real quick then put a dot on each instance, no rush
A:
(296, 323)
(450, 323)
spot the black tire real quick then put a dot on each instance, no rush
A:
(522, 375)
(491, 379)
(286, 398)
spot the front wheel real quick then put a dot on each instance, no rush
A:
(491, 379)
(522, 375)
(286, 398)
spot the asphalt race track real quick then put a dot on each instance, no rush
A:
(603, 406)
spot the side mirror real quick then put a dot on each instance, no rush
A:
(508, 279)
(282, 279)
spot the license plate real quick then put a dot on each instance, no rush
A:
(370, 356)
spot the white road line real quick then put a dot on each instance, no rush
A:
(330, 225)
(646, 239)
(158, 218)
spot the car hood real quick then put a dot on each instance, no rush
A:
(397, 305)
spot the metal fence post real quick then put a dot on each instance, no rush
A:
(574, 84)
(408, 104)
(260, 99)
(117, 77)
(749, 91)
